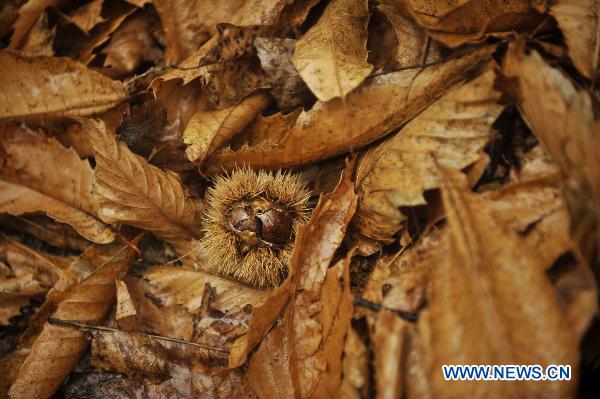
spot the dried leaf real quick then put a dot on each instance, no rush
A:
(456, 22)
(249, 312)
(88, 15)
(132, 191)
(46, 86)
(488, 284)
(566, 124)
(318, 316)
(254, 12)
(413, 46)
(133, 44)
(57, 349)
(40, 39)
(209, 130)
(368, 113)
(355, 378)
(579, 21)
(65, 193)
(396, 173)
(332, 56)
(285, 82)
(389, 345)
(233, 81)
(29, 14)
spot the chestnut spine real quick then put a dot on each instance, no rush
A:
(250, 223)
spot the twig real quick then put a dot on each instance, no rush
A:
(91, 327)
(408, 316)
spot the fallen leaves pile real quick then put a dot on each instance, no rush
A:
(452, 151)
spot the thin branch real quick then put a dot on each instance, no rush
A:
(408, 316)
(91, 327)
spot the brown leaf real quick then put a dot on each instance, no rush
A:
(579, 21)
(233, 81)
(253, 12)
(133, 43)
(566, 124)
(88, 15)
(164, 368)
(40, 38)
(368, 113)
(412, 45)
(64, 193)
(332, 56)
(285, 82)
(57, 349)
(355, 379)
(29, 14)
(389, 346)
(132, 191)
(249, 312)
(46, 86)
(209, 130)
(25, 273)
(189, 24)
(318, 316)
(396, 173)
(456, 22)
(488, 284)
(84, 48)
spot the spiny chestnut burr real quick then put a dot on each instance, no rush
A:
(250, 225)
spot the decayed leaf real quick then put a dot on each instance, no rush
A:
(456, 22)
(88, 15)
(46, 86)
(132, 191)
(368, 113)
(488, 284)
(565, 123)
(57, 349)
(209, 130)
(332, 56)
(285, 82)
(318, 316)
(454, 130)
(249, 312)
(253, 12)
(579, 21)
(39, 175)
(232, 81)
(165, 368)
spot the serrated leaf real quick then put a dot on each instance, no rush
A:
(131, 191)
(452, 131)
